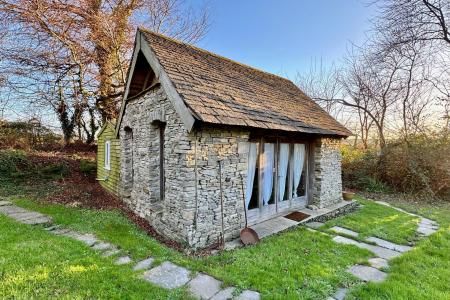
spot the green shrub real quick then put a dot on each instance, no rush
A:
(27, 135)
(420, 164)
(370, 184)
(15, 164)
(54, 171)
(87, 167)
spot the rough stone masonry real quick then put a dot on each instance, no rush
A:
(190, 211)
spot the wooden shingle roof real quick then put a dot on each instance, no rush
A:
(218, 90)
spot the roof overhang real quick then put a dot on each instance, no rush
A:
(141, 45)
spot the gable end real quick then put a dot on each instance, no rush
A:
(139, 79)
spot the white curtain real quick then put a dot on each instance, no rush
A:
(282, 169)
(252, 158)
(267, 172)
(298, 160)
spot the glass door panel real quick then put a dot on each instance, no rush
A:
(252, 189)
(299, 177)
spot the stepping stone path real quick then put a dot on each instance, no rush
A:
(388, 245)
(383, 250)
(377, 250)
(367, 273)
(22, 215)
(123, 260)
(345, 231)
(203, 286)
(248, 295)
(340, 294)
(166, 275)
(102, 246)
(378, 262)
(224, 294)
(144, 264)
(111, 252)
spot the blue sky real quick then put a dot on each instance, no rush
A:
(285, 36)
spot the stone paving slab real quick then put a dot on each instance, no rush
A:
(37, 221)
(3, 202)
(340, 294)
(343, 240)
(388, 245)
(380, 251)
(377, 250)
(168, 275)
(204, 286)
(144, 264)
(111, 252)
(102, 246)
(23, 216)
(248, 295)
(12, 209)
(430, 226)
(344, 231)
(224, 294)
(378, 262)
(425, 221)
(87, 238)
(426, 230)
(366, 273)
(273, 226)
(123, 260)
(314, 225)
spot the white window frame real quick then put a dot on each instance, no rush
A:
(107, 155)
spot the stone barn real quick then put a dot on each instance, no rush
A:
(204, 138)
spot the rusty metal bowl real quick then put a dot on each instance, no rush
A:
(249, 236)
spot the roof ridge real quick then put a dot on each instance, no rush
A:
(212, 53)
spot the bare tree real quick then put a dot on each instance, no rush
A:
(321, 82)
(377, 83)
(407, 21)
(80, 48)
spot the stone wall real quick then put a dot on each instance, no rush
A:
(140, 157)
(230, 147)
(327, 188)
(190, 212)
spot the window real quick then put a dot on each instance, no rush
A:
(299, 171)
(162, 127)
(128, 161)
(108, 155)
(276, 176)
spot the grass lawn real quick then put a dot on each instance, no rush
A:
(110, 226)
(35, 264)
(379, 221)
(423, 273)
(297, 264)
